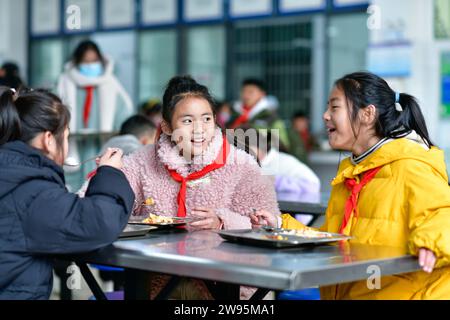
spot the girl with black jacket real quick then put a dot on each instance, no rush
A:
(38, 216)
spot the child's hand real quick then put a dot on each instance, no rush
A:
(427, 260)
(209, 219)
(263, 218)
(112, 158)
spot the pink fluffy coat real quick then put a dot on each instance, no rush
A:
(233, 191)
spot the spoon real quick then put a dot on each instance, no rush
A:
(72, 162)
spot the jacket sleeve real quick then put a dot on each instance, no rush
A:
(59, 222)
(254, 191)
(428, 205)
(289, 222)
(134, 177)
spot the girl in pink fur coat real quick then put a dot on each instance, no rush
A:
(192, 171)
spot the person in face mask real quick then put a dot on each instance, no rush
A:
(95, 96)
(91, 70)
(89, 86)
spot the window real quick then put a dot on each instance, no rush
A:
(157, 62)
(348, 43)
(279, 53)
(47, 60)
(206, 57)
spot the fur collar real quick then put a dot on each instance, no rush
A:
(169, 155)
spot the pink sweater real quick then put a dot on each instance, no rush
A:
(233, 191)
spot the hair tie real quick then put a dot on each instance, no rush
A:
(398, 106)
(14, 94)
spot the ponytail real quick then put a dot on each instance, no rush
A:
(411, 118)
(397, 114)
(9, 117)
(25, 115)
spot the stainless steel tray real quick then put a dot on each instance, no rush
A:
(158, 225)
(136, 231)
(177, 222)
(269, 238)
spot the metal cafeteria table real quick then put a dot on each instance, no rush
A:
(205, 255)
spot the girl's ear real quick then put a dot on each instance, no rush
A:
(44, 142)
(369, 115)
(165, 128)
(48, 142)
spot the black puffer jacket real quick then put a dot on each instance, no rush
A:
(39, 217)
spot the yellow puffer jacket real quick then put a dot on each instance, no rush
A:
(406, 205)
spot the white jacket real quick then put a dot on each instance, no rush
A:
(109, 89)
(294, 181)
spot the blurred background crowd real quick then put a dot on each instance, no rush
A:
(269, 63)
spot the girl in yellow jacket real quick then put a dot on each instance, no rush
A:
(392, 191)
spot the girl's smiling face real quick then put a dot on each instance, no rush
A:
(338, 123)
(192, 127)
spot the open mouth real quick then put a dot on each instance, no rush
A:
(198, 142)
(331, 130)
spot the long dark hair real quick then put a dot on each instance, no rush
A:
(179, 88)
(81, 50)
(26, 114)
(362, 89)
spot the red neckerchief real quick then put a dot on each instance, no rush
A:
(243, 118)
(355, 189)
(218, 163)
(88, 105)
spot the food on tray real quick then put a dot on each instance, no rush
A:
(307, 233)
(277, 234)
(149, 202)
(155, 219)
(279, 238)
